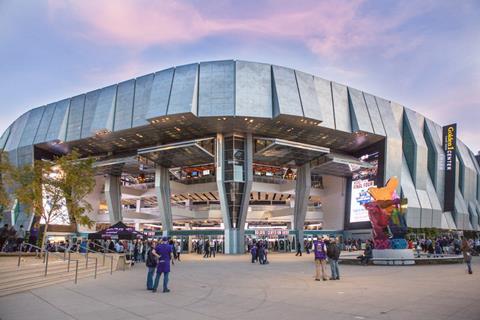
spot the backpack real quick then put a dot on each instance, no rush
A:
(151, 260)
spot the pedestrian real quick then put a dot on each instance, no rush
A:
(178, 249)
(261, 252)
(212, 249)
(151, 264)
(299, 249)
(320, 259)
(206, 248)
(253, 252)
(333, 254)
(467, 255)
(3, 235)
(163, 252)
(21, 237)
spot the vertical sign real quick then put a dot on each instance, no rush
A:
(449, 146)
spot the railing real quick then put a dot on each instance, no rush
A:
(105, 254)
(46, 255)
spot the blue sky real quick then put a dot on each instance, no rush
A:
(423, 54)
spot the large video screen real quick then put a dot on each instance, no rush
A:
(362, 179)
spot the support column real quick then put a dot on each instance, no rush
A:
(113, 195)
(162, 190)
(302, 192)
(234, 174)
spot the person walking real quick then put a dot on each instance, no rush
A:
(21, 237)
(163, 252)
(151, 263)
(206, 248)
(299, 249)
(253, 252)
(212, 248)
(467, 255)
(320, 252)
(178, 249)
(333, 254)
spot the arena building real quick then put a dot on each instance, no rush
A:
(234, 148)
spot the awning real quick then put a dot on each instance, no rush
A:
(181, 154)
(280, 152)
(335, 164)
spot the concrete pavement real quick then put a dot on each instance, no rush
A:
(230, 287)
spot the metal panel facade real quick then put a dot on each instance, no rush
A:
(44, 123)
(418, 162)
(160, 94)
(4, 138)
(374, 114)
(323, 90)
(341, 108)
(216, 89)
(308, 96)
(436, 206)
(91, 101)
(253, 84)
(286, 97)
(393, 161)
(408, 191)
(183, 97)
(58, 125)
(16, 133)
(105, 111)
(143, 88)
(124, 105)
(359, 112)
(34, 118)
(75, 117)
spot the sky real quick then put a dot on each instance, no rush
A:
(424, 54)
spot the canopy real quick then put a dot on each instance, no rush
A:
(117, 231)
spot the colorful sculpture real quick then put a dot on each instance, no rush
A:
(387, 216)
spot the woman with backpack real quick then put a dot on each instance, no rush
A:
(151, 263)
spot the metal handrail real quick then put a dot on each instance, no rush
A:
(86, 258)
(111, 257)
(45, 259)
(99, 246)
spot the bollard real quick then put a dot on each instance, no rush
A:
(46, 263)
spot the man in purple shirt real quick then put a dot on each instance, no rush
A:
(320, 250)
(163, 251)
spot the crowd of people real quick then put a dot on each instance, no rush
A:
(12, 239)
(159, 255)
(259, 251)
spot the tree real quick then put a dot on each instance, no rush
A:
(77, 181)
(5, 199)
(55, 190)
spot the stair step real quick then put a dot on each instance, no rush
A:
(49, 282)
(40, 279)
(32, 273)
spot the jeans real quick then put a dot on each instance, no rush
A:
(469, 266)
(151, 271)
(334, 269)
(165, 280)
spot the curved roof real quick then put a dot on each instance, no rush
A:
(198, 99)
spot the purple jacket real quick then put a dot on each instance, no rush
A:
(320, 249)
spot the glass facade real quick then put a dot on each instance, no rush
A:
(234, 164)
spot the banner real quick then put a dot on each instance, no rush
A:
(449, 146)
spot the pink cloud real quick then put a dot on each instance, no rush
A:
(326, 27)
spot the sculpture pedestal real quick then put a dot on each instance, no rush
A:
(393, 254)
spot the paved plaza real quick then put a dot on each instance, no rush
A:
(230, 287)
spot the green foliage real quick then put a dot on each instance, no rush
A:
(76, 182)
(48, 187)
(5, 200)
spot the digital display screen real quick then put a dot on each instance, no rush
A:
(362, 179)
